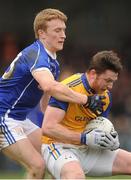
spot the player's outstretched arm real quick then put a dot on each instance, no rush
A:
(56, 89)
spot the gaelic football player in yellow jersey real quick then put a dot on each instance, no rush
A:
(71, 153)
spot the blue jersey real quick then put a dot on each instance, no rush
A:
(19, 91)
(36, 115)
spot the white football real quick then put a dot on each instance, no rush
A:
(100, 123)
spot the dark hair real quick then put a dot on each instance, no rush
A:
(105, 60)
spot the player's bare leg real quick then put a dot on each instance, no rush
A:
(72, 170)
(35, 139)
(24, 153)
(122, 163)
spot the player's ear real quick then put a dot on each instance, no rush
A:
(41, 33)
(93, 73)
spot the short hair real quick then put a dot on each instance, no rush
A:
(41, 19)
(105, 60)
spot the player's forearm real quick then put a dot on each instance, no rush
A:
(64, 93)
(62, 134)
(58, 90)
(44, 102)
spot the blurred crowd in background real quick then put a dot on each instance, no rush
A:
(92, 26)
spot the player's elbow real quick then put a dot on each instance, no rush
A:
(51, 88)
(47, 88)
(47, 129)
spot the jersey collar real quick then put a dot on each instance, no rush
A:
(52, 55)
(86, 84)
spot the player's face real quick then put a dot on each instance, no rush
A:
(105, 81)
(54, 36)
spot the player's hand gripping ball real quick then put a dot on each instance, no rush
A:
(100, 132)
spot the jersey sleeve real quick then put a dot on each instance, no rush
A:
(108, 108)
(41, 63)
(36, 60)
(59, 104)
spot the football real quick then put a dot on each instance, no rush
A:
(100, 123)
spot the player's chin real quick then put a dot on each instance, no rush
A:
(59, 49)
(60, 46)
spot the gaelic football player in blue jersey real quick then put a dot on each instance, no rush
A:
(31, 74)
(68, 150)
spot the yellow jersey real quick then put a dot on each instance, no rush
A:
(77, 117)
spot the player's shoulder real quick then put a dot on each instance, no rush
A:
(35, 50)
(75, 78)
(33, 46)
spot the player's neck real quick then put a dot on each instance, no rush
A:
(90, 79)
(48, 50)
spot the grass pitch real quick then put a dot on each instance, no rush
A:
(21, 175)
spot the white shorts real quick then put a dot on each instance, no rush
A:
(14, 130)
(93, 162)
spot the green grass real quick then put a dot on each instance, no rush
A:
(111, 177)
(11, 175)
(21, 175)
